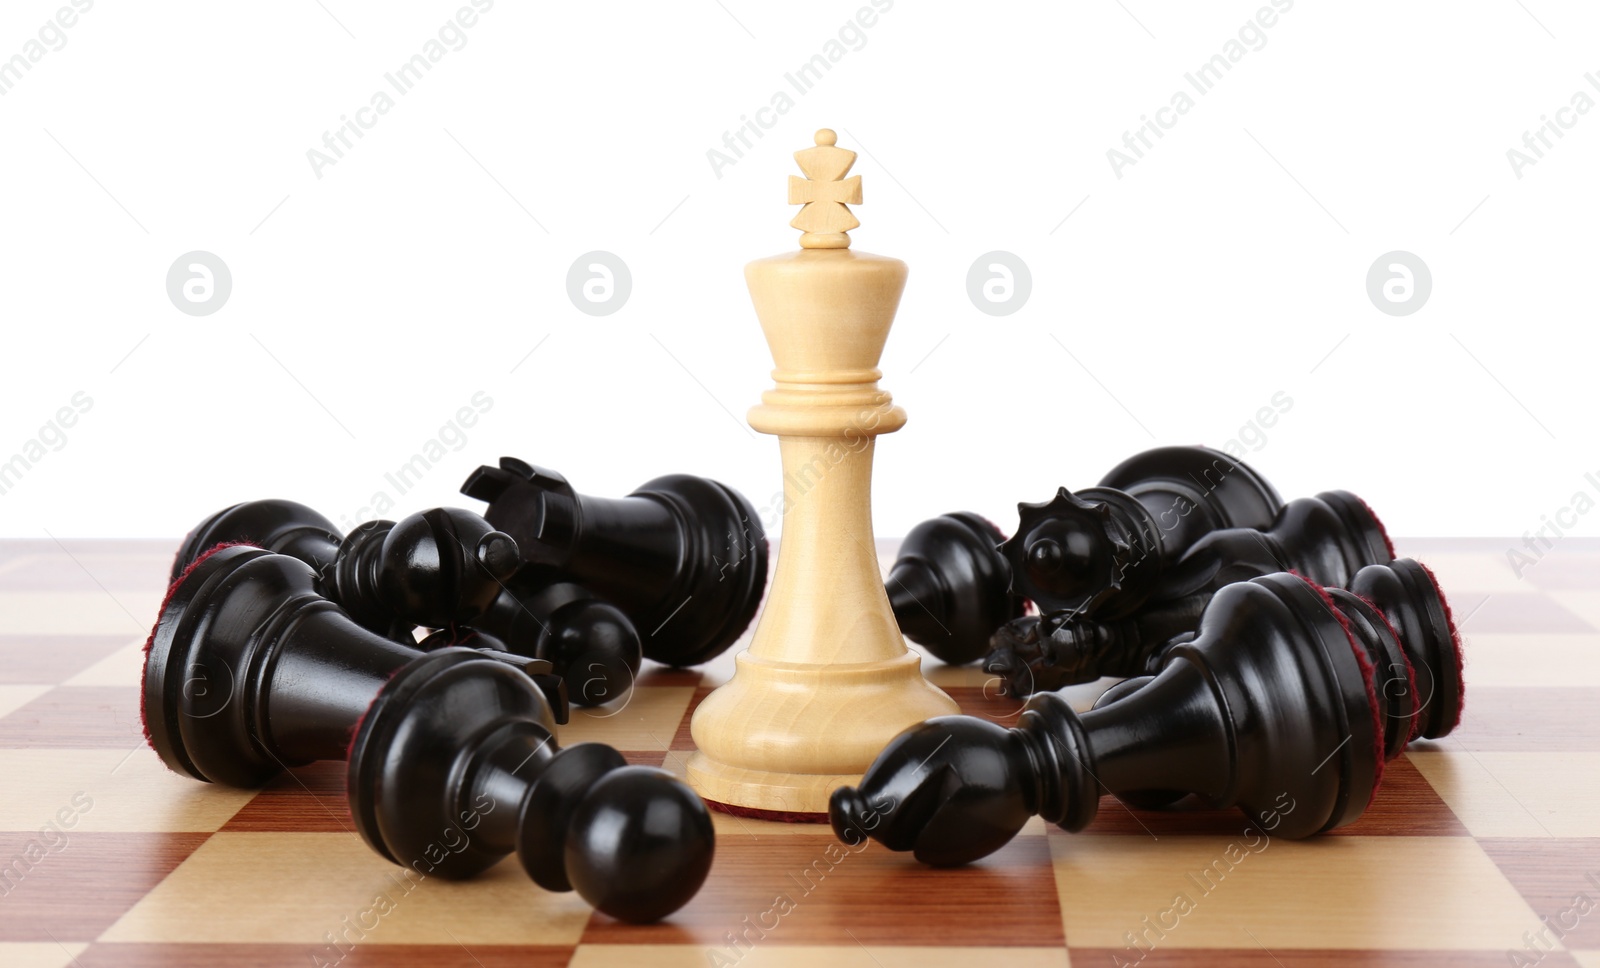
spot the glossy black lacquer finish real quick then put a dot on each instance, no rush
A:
(1102, 550)
(443, 569)
(949, 586)
(434, 569)
(452, 757)
(1273, 707)
(684, 557)
(590, 642)
(1327, 538)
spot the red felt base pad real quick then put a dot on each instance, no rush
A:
(755, 813)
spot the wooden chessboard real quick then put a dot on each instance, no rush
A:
(110, 859)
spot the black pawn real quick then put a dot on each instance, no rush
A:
(1327, 538)
(1273, 707)
(1102, 550)
(949, 586)
(685, 557)
(452, 757)
(589, 642)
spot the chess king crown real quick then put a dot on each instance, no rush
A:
(826, 314)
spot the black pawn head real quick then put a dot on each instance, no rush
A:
(595, 647)
(589, 642)
(952, 789)
(1065, 554)
(444, 566)
(1406, 592)
(949, 586)
(633, 841)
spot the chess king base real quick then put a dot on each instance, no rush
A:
(785, 695)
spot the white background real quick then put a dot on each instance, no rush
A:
(370, 304)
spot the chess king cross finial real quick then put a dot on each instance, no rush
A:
(824, 193)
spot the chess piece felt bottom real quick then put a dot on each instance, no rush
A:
(1273, 707)
(452, 758)
(949, 587)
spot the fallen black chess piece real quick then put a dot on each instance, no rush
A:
(1097, 552)
(949, 586)
(452, 758)
(1285, 703)
(684, 557)
(1326, 538)
(1102, 550)
(443, 569)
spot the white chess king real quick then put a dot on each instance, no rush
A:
(828, 680)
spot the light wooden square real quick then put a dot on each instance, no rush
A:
(646, 720)
(298, 888)
(35, 954)
(1473, 573)
(1584, 604)
(1329, 892)
(1517, 794)
(130, 791)
(13, 698)
(79, 613)
(1552, 661)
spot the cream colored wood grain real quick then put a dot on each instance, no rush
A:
(1331, 892)
(1516, 794)
(129, 791)
(294, 888)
